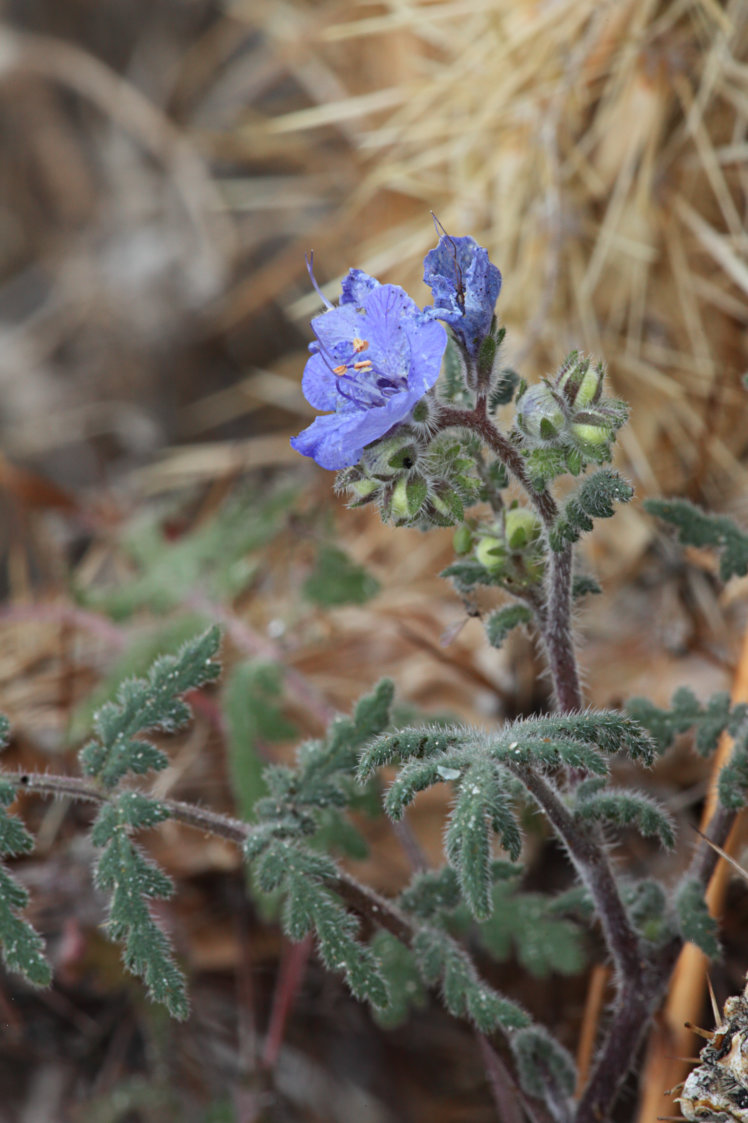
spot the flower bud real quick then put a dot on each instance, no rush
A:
(394, 455)
(521, 528)
(408, 496)
(592, 435)
(491, 553)
(579, 385)
(540, 415)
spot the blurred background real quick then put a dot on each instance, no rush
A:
(166, 165)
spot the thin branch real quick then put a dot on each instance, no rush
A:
(593, 867)
(555, 624)
(365, 902)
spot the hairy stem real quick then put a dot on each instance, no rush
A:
(642, 994)
(365, 902)
(593, 867)
(555, 623)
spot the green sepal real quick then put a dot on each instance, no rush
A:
(503, 389)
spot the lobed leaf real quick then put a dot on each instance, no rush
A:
(440, 958)
(480, 805)
(500, 623)
(694, 921)
(153, 703)
(528, 926)
(627, 809)
(417, 775)
(432, 893)
(545, 1069)
(697, 528)
(134, 880)
(409, 744)
(311, 905)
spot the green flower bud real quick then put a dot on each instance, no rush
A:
(540, 415)
(588, 434)
(462, 539)
(579, 385)
(592, 436)
(408, 496)
(522, 527)
(393, 455)
(491, 553)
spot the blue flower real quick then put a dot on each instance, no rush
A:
(374, 357)
(465, 286)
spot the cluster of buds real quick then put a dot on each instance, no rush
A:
(510, 549)
(416, 479)
(571, 411)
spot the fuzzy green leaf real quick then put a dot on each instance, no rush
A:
(480, 805)
(21, 945)
(133, 880)
(417, 775)
(500, 623)
(696, 925)
(406, 991)
(336, 579)
(310, 905)
(153, 703)
(545, 1069)
(281, 859)
(131, 809)
(696, 528)
(431, 893)
(627, 809)
(439, 958)
(610, 731)
(732, 784)
(528, 926)
(467, 574)
(409, 744)
(593, 499)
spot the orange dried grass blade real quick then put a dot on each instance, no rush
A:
(673, 1034)
(592, 1010)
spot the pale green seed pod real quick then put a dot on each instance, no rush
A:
(522, 527)
(540, 415)
(491, 553)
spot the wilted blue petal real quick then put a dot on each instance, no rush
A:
(465, 286)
